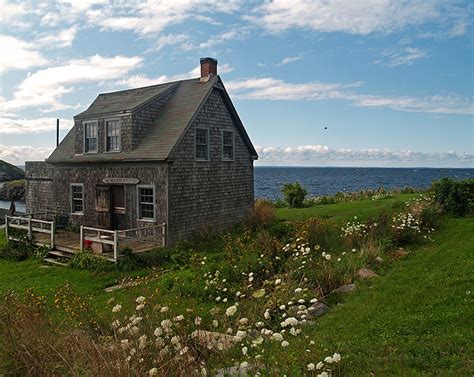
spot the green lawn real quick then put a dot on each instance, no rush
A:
(416, 318)
(363, 209)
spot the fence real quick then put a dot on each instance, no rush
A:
(113, 241)
(31, 226)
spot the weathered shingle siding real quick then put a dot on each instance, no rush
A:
(39, 187)
(216, 193)
(144, 117)
(92, 175)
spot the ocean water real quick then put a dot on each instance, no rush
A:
(326, 181)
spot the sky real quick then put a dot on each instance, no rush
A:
(316, 83)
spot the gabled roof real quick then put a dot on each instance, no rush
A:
(124, 100)
(178, 113)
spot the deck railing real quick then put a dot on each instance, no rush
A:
(114, 241)
(31, 226)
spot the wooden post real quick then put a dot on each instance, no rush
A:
(115, 245)
(53, 231)
(163, 232)
(30, 231)
(81, 237)
(6, 227)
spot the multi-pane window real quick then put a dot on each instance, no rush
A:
(146, 202)
(90, 137)
(77, 198)
(228, 145)
(202, 144)
(113, 135)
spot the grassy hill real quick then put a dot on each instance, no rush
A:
(9, 172)
(415, 318)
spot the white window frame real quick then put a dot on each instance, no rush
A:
(139, 203)
(119, 137)
(84, 126)
(233, 146)
(207, 144)
(71, 200)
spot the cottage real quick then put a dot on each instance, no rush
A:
(174, 154)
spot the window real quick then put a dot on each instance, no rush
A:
(202, 141)
(77, 198)
(90, 137)
(227, 145)
(146, 202)
(112, 135)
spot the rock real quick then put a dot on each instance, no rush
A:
(317, 310)
(214, 340)
(400, 253)
(379, 260)
(346, 288)
(234, 371)
(365, 273)
(14, 190)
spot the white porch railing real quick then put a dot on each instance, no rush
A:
(31, 226)
(117, 240)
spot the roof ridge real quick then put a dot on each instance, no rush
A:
(148, 86)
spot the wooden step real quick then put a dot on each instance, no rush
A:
(67, 249)
(54, 261)
(62, 254)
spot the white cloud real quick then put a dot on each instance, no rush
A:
(407, 55)
(60, 39)
(288, 60)
(45, 88)
(12, 126)
(153, 16)
(11, 13)
(323, 155)
(17, 54)
(18, 154)
(358, 17)
(216, 40)
(269, 88)
(138, 81)
(171, 39)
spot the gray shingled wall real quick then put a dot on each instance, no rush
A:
(215, 193)
(93, 175)
(39, 187)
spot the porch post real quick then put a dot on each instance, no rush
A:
(6, 227)
(53, 231)
(30, 231)
(115, 245)
(163, 232)
(81, 237)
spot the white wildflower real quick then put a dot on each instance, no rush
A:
(116, 308)
(285, 343)
(140, 300)
(311, 366)
(230, 311)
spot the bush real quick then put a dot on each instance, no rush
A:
(17, 251)
(263, 214)
(86, 260)
(455, 197)
(294, 194)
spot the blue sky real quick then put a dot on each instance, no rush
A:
(392, 80)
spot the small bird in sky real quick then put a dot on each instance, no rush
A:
(325, 127)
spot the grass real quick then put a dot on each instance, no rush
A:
(414, 319)
(363, 209)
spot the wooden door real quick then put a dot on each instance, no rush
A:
(118, 207)
(103, 207)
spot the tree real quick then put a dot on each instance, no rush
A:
(294, 194)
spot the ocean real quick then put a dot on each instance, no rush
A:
(330, 180)
(326, 181)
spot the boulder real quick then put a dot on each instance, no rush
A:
(365, 273)
(400, 253)
(214, 340)
(317, 310)
(346, 288)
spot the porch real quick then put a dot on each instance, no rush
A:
(51, 230)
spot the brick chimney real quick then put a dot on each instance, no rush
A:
(208, 67)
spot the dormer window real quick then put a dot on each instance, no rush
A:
(113, 143)
(90, 137)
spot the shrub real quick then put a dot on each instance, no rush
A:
(17, 251)
(294, 194)
(455, 197)
(262, 215)
(282, 231)
(86, 260)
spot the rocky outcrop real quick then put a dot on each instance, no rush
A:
(14, 190)
(365, 273)
(9, 172)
